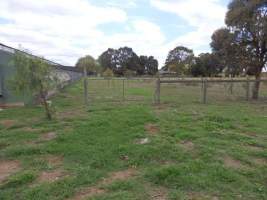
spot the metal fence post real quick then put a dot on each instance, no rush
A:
(205, 91)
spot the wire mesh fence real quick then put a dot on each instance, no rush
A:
(182, 91)
(120, 89)
(210, 90)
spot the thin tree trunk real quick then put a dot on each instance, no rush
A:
(46, 106)
(256, 89)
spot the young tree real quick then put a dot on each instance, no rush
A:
(180, 60)
(248, 21)
(89, 63)
(33, 75)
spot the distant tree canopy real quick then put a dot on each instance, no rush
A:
(89, 63)
(243, 45)
(149, 65)
(206, 65)
(125, 61)
(180, 60)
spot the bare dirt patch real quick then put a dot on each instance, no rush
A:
(200, 196)
(188, 145)
(8, 123)
(51, 176)
(88, 192)
(158, 193)
(98, 190)
(48, 136)
(151, 129)
(7, 168)
(232, 163)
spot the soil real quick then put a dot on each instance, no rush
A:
(48, 136)
(232, 163)
(151, 129)
(51, 176)
(188, 145)
(8, 168)
(8, 123)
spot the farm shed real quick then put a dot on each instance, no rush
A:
(65, 74)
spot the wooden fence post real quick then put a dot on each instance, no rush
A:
(247, 89)
(205, 91)
(85, 84)
(123, 89)
(231, 86)
(157, 93)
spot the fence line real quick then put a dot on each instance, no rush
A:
(163, 90)
(205, 82)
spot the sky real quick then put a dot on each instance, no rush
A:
(65, 30)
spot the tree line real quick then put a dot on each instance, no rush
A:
(119, 62)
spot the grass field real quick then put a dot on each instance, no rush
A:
(133, 150)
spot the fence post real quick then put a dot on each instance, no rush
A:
(248, 88)
(123, 89)
(205, 91)
(157, 93)
(231, 86)
(85, 84)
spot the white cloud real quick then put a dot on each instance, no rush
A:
(64, 30)
(204, 16)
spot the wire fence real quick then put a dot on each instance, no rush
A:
(175, 90)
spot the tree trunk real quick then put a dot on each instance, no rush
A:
(46, 106)
(256, 89)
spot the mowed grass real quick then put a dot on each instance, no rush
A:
(192, 151)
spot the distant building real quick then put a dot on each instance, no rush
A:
(65, 74)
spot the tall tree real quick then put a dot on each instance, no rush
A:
(232, 56)
(248, 21)
(120, 60)
(89, 63)
(180, 60)
(33, 75)
(206, 65)
(149, 65)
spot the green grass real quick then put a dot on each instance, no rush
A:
(92, 142)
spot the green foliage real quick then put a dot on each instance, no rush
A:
(108, 73)
(206, 65)
(34, 76)
(247, 25)
(180, 60)
(89, 63)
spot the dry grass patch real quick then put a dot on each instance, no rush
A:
(259, 161)
(158, 193)
(8, 123)
(98, 190)
(8, 168)
(187, 145)
(232, 163)
(55, 161)
(51, 176)
(48, 136)
(200, 196)
(152, 129)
